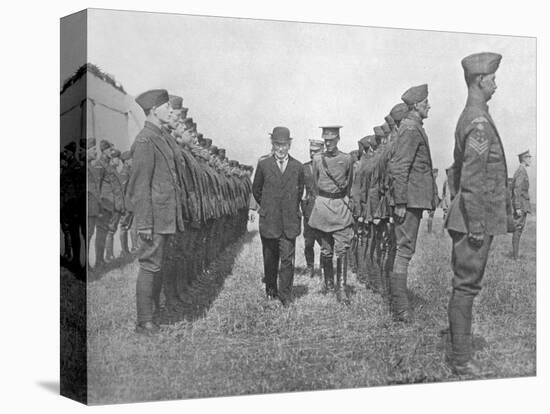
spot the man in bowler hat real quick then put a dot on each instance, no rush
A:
(278, 186)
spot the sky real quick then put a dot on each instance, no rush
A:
(240, 77)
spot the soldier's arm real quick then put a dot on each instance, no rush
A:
(258, 184)
(473, 175)
(401, 163)
(142, 176)
(517, 187)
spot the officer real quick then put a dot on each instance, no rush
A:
(310, 235)
(520, 199)
(480, 210)
(431, 213)
(107, 186)
(414, 191)
(332, 212)
(154, 194)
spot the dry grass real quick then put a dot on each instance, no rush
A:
(234, 341)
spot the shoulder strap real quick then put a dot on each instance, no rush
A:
(327, 171)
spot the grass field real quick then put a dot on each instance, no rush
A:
(234, 341)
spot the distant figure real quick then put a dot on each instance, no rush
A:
(520, 199)
(480, 209)
(310, 235)
(431, 213)
(278, 186)
(445, 199)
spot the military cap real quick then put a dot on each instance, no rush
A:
(316, 144)
(213, 149)
(115, 153)
(194, 126)
(386, 128)
(379, 131)
(523, 155)
(365, 142)
(176, 102)
(126, 155)
(390, 121)
(184, 111)
(200, 135)
(152, 98)
(188, 122)
(207, 142)
(232, 163)
(90, 143)
(415, 94)
(221, 152)
(71, 146)
(330, 131)
(104, 144)
(481, 63)
(399, 111)
(280, 135)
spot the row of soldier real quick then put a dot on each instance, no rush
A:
(365, 208)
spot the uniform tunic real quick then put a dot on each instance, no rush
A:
(332, 214)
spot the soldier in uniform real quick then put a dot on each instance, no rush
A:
(112, 190)
(414, 191)
(127, 216)
(278, 187)
(154, 194)
(520, 199)
(94, 177)
(445, 198)
(310, 235)
(480, 209)
(332, 213)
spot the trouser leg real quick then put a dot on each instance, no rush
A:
(516, 236)
(309, 245)
(327, 248)
(286, 270)
(270, 250)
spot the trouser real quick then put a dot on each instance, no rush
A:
(102, 228)
(445, 212)
(468, 263)
(335, 243)
(389, 249)
(406, 234)
(279, 257)
(311, 236)
(149, 281)
(519, 224)
(125, 225)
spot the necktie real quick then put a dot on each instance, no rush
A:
(281, 165)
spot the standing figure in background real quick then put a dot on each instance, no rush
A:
(431, 213)
(520, 199)
(278, 187)
(127, 216)
(332, 213)
(311, 235)
(445, 198)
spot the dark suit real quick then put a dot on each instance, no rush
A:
(278, 195)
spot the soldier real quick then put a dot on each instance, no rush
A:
(414, 192)
(278, 187)
(480, 209)
(112, 190)
(154, 194)
(332, 212)
(106, 201)
(431, 213)
(95, 175)
(310, 235)
(445, 198)
(520, 199)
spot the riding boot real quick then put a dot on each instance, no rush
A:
(100, 238)
(328, 272)
(399, 297)
(109, 246)
(338, 273)
(515, 244)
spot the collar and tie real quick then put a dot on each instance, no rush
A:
(282, 164)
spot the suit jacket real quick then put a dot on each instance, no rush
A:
(309, 198)
(154, 191)
(479, 175)
(279, 195)
(411, 166)
(520, 190)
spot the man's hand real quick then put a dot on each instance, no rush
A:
(146, 235)
(376, 221)
(518, 212)
(400, 211)
(476, 239)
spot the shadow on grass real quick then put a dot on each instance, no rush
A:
(198, 295)
(97, 273)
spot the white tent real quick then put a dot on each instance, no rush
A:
(93, 104)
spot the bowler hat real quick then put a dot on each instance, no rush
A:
(280, 135)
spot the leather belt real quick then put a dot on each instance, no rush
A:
(326, 194)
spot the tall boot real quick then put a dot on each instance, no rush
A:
(399, 297)
(328, 272)
(515, 244)
(338, 273)
(109, 247)
(124, 242)
(430, 224)
(460, 327)
(134, 238)
(100, 238)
